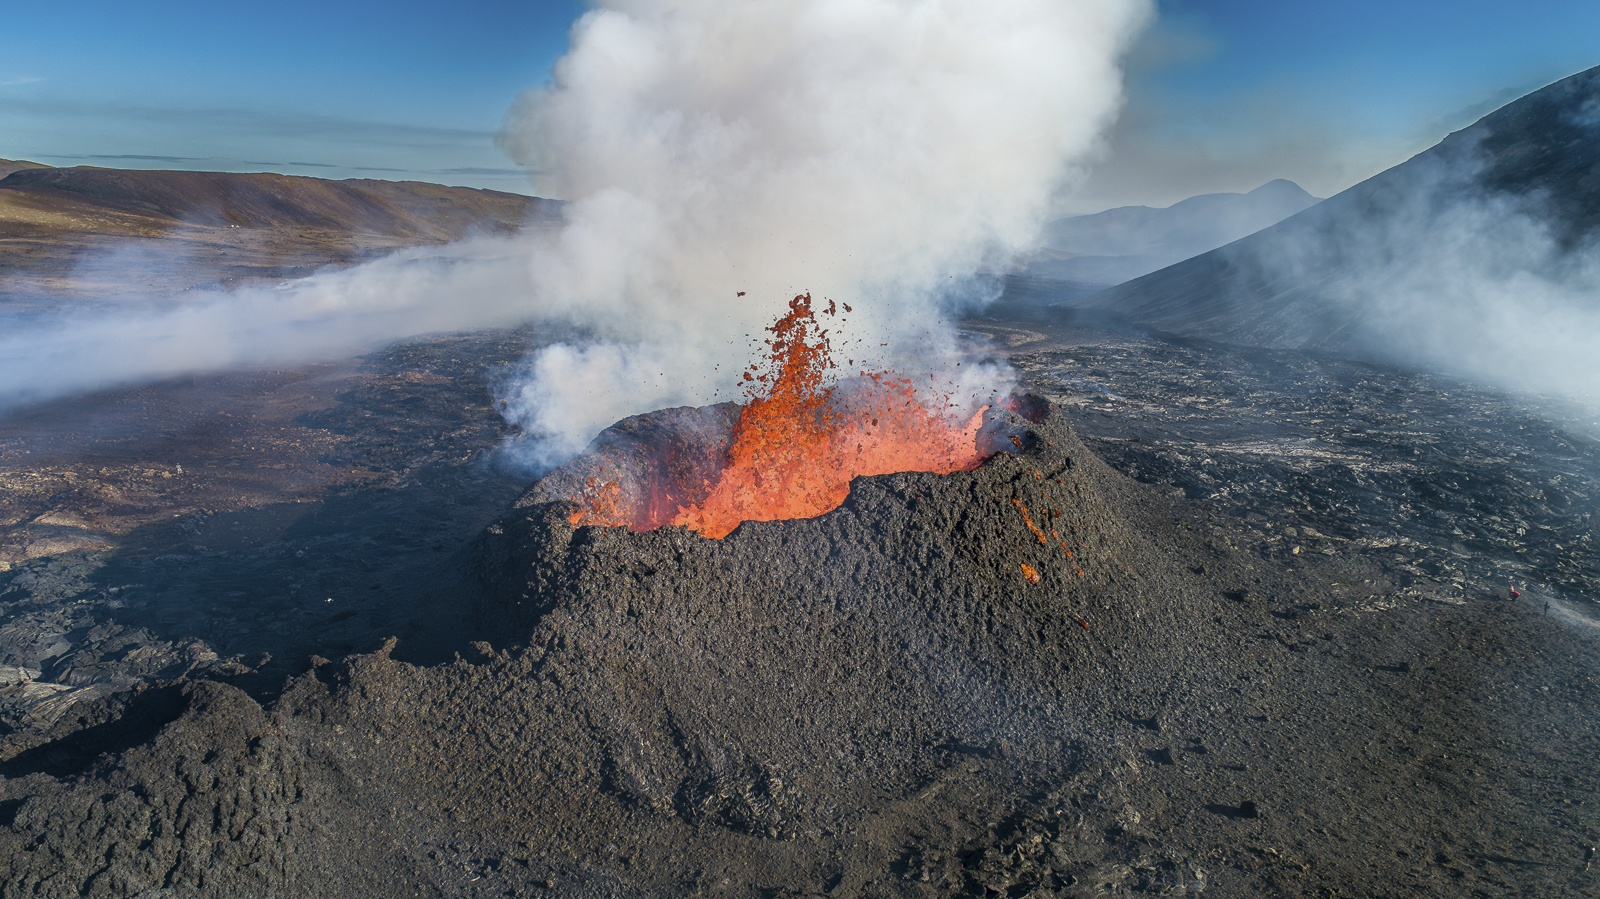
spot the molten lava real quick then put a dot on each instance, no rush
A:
(800, 439)
(796, 449)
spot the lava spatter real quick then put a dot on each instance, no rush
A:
(801, 437)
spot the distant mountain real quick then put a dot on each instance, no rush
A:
(1085, 254)
(1121, 244)
(1481, 255)
(409, 209)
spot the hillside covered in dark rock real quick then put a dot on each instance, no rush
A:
(7, 166)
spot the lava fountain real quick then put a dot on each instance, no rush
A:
(789, 451)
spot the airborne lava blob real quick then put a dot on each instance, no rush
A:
(800, 439)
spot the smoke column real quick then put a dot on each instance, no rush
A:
(881, 153)
(892, 155)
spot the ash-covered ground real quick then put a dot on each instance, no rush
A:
(1448, 485)
(239, 524)
(1302, 676)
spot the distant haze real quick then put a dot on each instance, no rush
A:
(1480, 256)
(1121, 244)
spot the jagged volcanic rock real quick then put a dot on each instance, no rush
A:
(774, 685)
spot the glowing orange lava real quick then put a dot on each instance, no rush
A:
(795, 450)
(800, 439)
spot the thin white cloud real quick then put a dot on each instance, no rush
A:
(75, 131)
(246, 121)
(20, 80)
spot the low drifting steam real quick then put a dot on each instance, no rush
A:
(1480, 256)
(334, 314)
(1439, 271)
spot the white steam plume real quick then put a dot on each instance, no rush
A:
(875, 152)
(887, 154)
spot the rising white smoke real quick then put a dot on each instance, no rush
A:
(1487, 291)
(879, 153)
(1427, 267)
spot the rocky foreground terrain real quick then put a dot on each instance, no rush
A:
(1291, 665)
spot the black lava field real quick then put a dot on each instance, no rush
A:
(1272, 648)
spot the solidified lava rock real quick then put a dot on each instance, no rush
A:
(189, 786)
(767, 699)
(875, 702)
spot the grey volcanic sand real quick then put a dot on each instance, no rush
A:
(873, 702)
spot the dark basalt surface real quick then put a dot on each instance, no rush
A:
(236, 525)
(1445, 484)
(843, 648)
(877, 702)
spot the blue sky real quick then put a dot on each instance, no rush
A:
(1224, 94)
(342, 88)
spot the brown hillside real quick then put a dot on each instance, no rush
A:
(266, 200)
(7, 166)
(91, 235)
